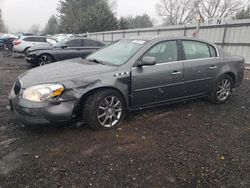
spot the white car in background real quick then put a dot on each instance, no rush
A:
(22, 44)
(61, 37)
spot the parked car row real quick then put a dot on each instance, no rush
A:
(22, 44)
(41, 50)
(5, 38)
(66, 49)
(126, 75)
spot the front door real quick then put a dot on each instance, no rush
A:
(161, 82)
(71, 51)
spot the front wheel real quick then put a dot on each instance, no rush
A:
(44, 60)
(222, 90)
(104, 110)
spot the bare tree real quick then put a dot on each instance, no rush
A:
(2, 25)
(35, 29)
(176, 11)
(209, 9)
(184, 11)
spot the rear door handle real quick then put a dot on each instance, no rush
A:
(213, 67)
(176, 73)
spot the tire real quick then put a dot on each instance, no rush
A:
(6, 52)
(45, 59)
(104, 110)
(222, 90)
(26, 51)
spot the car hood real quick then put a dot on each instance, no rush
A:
(63, 71)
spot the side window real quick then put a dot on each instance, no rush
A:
(212, 51)
(28, 39)
(195, 50)
(164, 52)
(74, 43)
(87, 42)
(40, 39)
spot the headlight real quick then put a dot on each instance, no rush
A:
(40, 93)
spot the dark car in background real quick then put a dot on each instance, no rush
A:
(4, 40)
(67, 49)
(129, 74)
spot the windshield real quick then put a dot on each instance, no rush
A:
(117, 53)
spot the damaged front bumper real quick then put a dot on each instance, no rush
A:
(41, 113)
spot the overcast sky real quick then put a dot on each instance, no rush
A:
(20, 15)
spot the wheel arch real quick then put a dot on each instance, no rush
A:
(232, 75)
(25, 49)
(78, 107)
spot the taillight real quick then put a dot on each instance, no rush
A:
(17, 42)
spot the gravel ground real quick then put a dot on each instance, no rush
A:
(192, 144)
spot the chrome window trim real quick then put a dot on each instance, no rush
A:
(182, 61)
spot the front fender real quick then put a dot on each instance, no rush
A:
(81, 89)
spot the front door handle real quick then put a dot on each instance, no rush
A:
(213, 67)
(176, 73)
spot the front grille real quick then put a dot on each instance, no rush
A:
(17, 87)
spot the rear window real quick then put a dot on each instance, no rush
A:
(212, 51)
(100, 44)
(74, 43)
(196, 50)
(88, 42)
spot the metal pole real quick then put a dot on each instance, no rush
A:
(224, 35)
(185, 30)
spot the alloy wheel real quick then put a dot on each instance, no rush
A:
(223, 89)
(43, 60)
(109, 111)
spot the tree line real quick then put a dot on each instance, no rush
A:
(3, 28)
(81, 16)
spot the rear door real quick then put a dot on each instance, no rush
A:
(89, 46)
(200, 67)
(159, 83)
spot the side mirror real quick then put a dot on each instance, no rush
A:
(64, 46)
(147, 61)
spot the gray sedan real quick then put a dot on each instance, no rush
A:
(129, 74)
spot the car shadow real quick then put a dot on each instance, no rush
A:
(18, 56)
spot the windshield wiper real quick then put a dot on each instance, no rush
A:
(96, 61)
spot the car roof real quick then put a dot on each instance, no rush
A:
(22, 37)
(84, 38)
(161, 38)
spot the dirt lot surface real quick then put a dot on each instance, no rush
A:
(193, 144)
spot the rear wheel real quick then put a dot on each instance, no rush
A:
(45, 59)
(104, 110)
(6, 53)
(222, 89)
